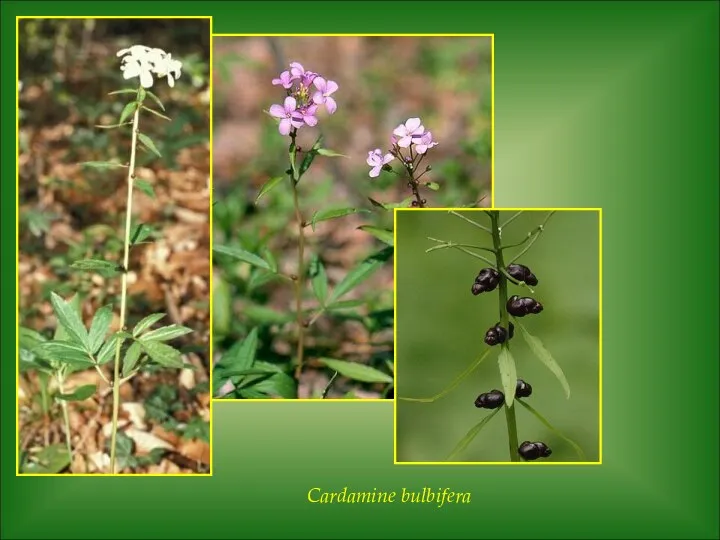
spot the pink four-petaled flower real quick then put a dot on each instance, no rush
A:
(409, 132)
(288, 115)
(377, 161)
(322, 96)
(425, 142)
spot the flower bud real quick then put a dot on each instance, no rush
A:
(490, 400)
(522, 273)
(530, 451)
(522, 389)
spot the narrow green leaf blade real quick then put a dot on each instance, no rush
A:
(149, 144)
(166, 333)
(357, 372)
(432, 185)
(329, 153)
(545, 357)
(163, 354)
(146, 323)
(140, 233)
(474, 432)
(70, 320)
(472, 367)
(123, 91)
(99, 327)
(128, 110)
(155, 99)
(360, 273)
(557, 432)
(103, 164)
(508, 375)
(268, 186)
(80, 394)
(132, 355)
(145, 187)
(105, 268)
(319, 280)
(383, 235)
(156, 113)
(107, 351)
(64, 351)
(334, 213)
(243, 255)
(241, 355)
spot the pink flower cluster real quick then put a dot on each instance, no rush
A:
(411, 135)
(306, 92)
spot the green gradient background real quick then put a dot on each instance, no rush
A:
(440, 327)
(610, 104)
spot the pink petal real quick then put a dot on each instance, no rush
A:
(404, 142)
(375, 172)
(387, 159)
(310, 120)
(330, 105)
(318, 98)
(331, 87)
(278, 111)
(284, 126)
(412, 124)
(290, 104)
(320, 84)
(400, 131)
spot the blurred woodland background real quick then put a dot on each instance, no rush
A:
(382, 82)
(67, 212)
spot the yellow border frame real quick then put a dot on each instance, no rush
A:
(17, 240)
(492, 178)
(521, 463)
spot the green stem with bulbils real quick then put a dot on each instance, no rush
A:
(123, 290)
(504, 322)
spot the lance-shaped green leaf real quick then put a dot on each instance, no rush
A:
(545, 357)
(79, 394)
(64, 351)
(389, 206)
(99, 327)
(269, 185)
(319, 279)
(105, 268)
(557, 432)
(155, 99)
(149, 144)
(474, 432)
(508, 375)
(123, 91)
(103, 164)
(132, 356)
(50, 460)
(329, 153)
(140, 233)
(146, 323)
(162, 354)
(145, 187)
(432, 185)
(107, 351)
(360, 273)
(383, 235)
(69, 318)
(166, 333)
(239, 358)
(156, 113)
(112, 126)
(243, 255)
(333, 213)
(357, 372)
(127, 111)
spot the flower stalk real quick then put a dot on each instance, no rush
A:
(300, 277)
(123, 288)
(504, 322)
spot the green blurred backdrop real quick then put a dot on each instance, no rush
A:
(440, 327)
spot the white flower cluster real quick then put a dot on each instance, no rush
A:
(144, 62)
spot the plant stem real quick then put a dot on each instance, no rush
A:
(300, 278)
(504, 320)
(66, 414)
(123, 289)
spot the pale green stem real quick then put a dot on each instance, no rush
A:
(123, 290)
(66, 414)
